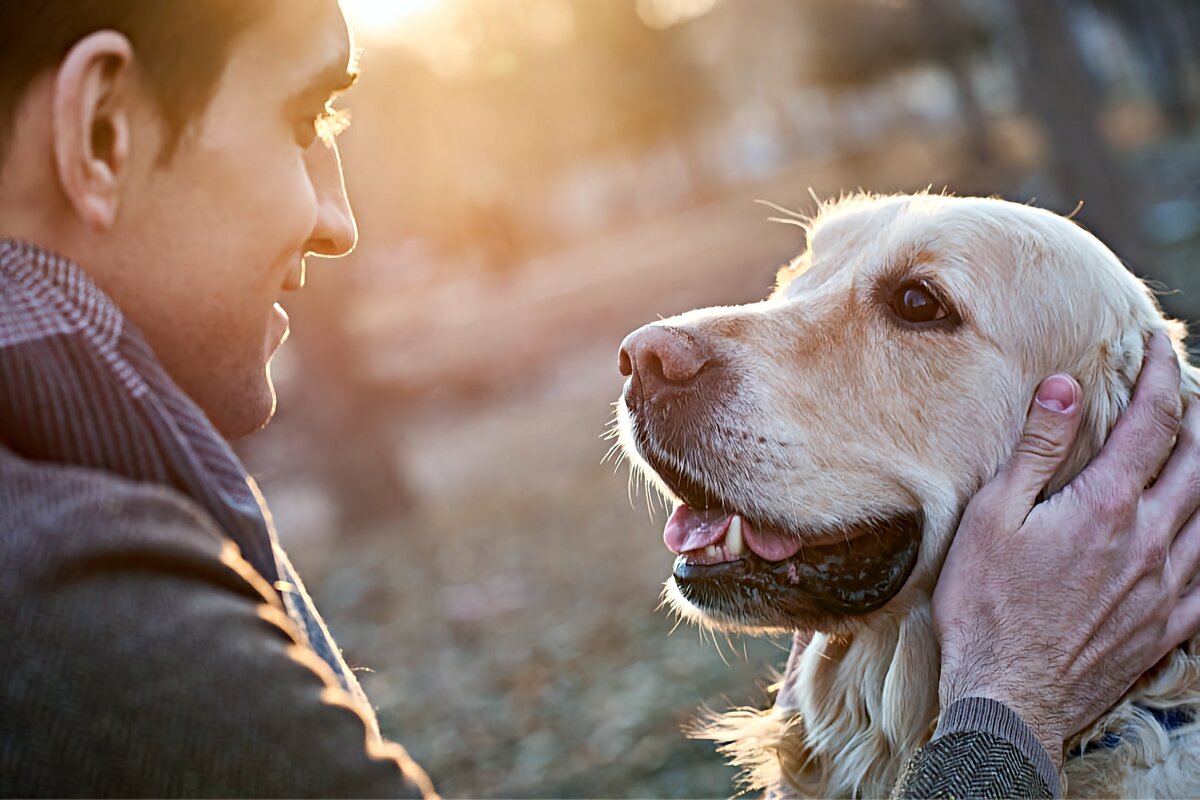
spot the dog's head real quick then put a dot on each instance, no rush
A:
(821, 444)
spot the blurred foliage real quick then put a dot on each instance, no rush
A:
(855, 42)
(534, 178)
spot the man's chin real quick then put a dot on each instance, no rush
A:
(243, 410)
(228, 377)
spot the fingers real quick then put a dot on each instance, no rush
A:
(1183, 559)
(1184, 622)
(1142, 437)
(1175, 497)
(1050, 431)
(1174, 500)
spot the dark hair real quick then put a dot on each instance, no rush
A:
(181, 47)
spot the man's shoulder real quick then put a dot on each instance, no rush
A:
(55, 511)
(143, 657)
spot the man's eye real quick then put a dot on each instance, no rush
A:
(916, 304)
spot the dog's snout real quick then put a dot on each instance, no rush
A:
(662, 356)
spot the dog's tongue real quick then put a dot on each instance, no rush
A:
(770, 545)
(689, 529)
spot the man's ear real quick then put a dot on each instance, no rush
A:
(94, 91)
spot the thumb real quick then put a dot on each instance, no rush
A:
(1050, 431)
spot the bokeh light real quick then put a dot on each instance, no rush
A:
(373, 19)
(665, 13)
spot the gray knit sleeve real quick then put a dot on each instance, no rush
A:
(981, 748)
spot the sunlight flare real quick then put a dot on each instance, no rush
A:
(383, 17)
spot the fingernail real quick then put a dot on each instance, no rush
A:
(1057, 394)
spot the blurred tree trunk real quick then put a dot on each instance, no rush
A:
(351, 419)
(1164, 36)
(942, 24)
(1061, 94)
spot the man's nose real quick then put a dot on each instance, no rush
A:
(335, 232)
(659, 357)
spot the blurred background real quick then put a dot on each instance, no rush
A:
(535, 178)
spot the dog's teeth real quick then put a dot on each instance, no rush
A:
(712, 551)
(733, 539)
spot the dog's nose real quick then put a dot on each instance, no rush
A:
(661, 355)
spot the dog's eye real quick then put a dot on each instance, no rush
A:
(915, 303)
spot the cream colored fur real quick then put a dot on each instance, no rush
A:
(855, 415)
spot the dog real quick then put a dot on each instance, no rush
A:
(821, 445)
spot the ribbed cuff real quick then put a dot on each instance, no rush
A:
(991, 716)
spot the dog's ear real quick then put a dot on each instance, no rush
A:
(1107, 377)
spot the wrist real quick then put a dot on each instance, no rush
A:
(1040, 725)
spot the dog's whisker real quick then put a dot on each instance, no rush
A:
(717, 646)
(729, 642)
(631, 484)
(780, 646)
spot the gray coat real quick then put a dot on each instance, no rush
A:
(140, 655)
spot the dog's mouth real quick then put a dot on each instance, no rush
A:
(728, 564)
(763, 572)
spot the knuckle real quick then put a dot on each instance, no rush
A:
(1152, 554)
(982, 506)
(1039, 443)
(1165, 411)
(1189, 432)
(1191, 494)
(986, 511)
(1186, 460)
(1115, 500)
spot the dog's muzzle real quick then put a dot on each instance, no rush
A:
(786, 574)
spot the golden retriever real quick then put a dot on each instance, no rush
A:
(821, 445)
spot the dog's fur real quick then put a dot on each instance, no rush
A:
(850, 415)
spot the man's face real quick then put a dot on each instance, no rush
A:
(210, 238)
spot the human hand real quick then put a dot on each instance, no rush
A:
(1056, 609)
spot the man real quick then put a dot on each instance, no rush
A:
(164, 170)
(156, 640)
